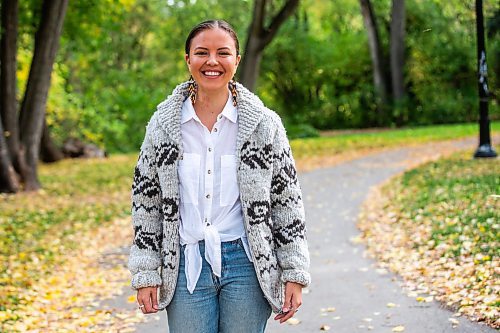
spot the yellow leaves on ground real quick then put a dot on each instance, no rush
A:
(399, 328)
(438, 227)
(41, 231)
(69, 300)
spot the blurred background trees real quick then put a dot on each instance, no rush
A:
(119, 58)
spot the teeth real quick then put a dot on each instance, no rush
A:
(212, 73)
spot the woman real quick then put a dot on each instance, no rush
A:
(216, 205)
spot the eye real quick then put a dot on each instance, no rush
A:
(200, 53)
(225, 53)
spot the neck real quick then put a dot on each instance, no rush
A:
(211, 101)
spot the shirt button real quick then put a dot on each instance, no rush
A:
(209, 149)
(215, 129)
(208, 196)
(209, 172)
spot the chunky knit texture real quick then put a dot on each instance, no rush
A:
(269, 191)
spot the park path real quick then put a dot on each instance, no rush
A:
(343, 277)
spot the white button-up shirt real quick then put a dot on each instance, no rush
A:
(210, 206)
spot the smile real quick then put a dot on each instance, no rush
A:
(212, 73)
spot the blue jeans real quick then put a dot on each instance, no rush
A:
(233, 303)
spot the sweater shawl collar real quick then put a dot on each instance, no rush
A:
(249, 106)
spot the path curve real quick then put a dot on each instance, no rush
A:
(343, 277)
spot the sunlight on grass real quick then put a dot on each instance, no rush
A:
(391, 138)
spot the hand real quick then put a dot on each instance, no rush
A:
(293, 300)
(148, 299)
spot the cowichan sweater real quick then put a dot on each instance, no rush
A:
(270, 196)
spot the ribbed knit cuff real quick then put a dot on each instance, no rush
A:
(297, 276)
(146, 279)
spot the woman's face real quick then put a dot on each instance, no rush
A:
(212, 59)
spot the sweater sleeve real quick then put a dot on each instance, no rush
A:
(145, 257)
(287, 213)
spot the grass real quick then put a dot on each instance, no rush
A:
(79, 195)
(303, 148)
(438, 226)
(458, 197)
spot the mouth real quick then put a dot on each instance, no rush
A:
(212, 74)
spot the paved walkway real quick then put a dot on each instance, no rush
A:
(343, 277)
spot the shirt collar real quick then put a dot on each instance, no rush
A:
(229, 111)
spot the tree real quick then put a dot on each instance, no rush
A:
(23, 137)
(260, 35)
(9, 144)
(379, 75)
(397, 54)
(396, 57)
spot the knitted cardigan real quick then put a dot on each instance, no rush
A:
(270, 197)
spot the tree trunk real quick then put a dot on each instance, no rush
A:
(379, 77)
(9, 182)
(49, 152)
(397, 49)
(259, 36)
(8, 103)
(35, 98)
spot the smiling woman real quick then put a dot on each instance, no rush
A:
(216, 204)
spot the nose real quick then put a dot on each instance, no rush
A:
(212, 60)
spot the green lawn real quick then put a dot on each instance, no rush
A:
(303, 148)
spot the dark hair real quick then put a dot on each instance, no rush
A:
(212, 24)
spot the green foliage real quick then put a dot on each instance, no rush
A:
(119, 58)
(325, 79)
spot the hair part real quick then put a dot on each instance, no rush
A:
(212, 24)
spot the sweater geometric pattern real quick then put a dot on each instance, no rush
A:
(270, 196)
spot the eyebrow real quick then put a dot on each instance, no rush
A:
(220, 48)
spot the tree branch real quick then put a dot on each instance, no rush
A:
(287, 10)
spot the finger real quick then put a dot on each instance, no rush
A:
(287, 303)
(296, 301)
(144, 299)
(149, 303)
(140, 301)
(279, 316)
(287, 316)
(155, 299)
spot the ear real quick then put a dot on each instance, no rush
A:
(186, 57)
(238, 58)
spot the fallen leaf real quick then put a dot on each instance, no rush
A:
(399, 328)
(324, 328)
(293, 321)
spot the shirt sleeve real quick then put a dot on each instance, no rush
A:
(287, 213)
(145, 257)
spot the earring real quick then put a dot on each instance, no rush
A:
(192, 89)
(234, 92)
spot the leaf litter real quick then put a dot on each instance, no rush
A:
(437, 226)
